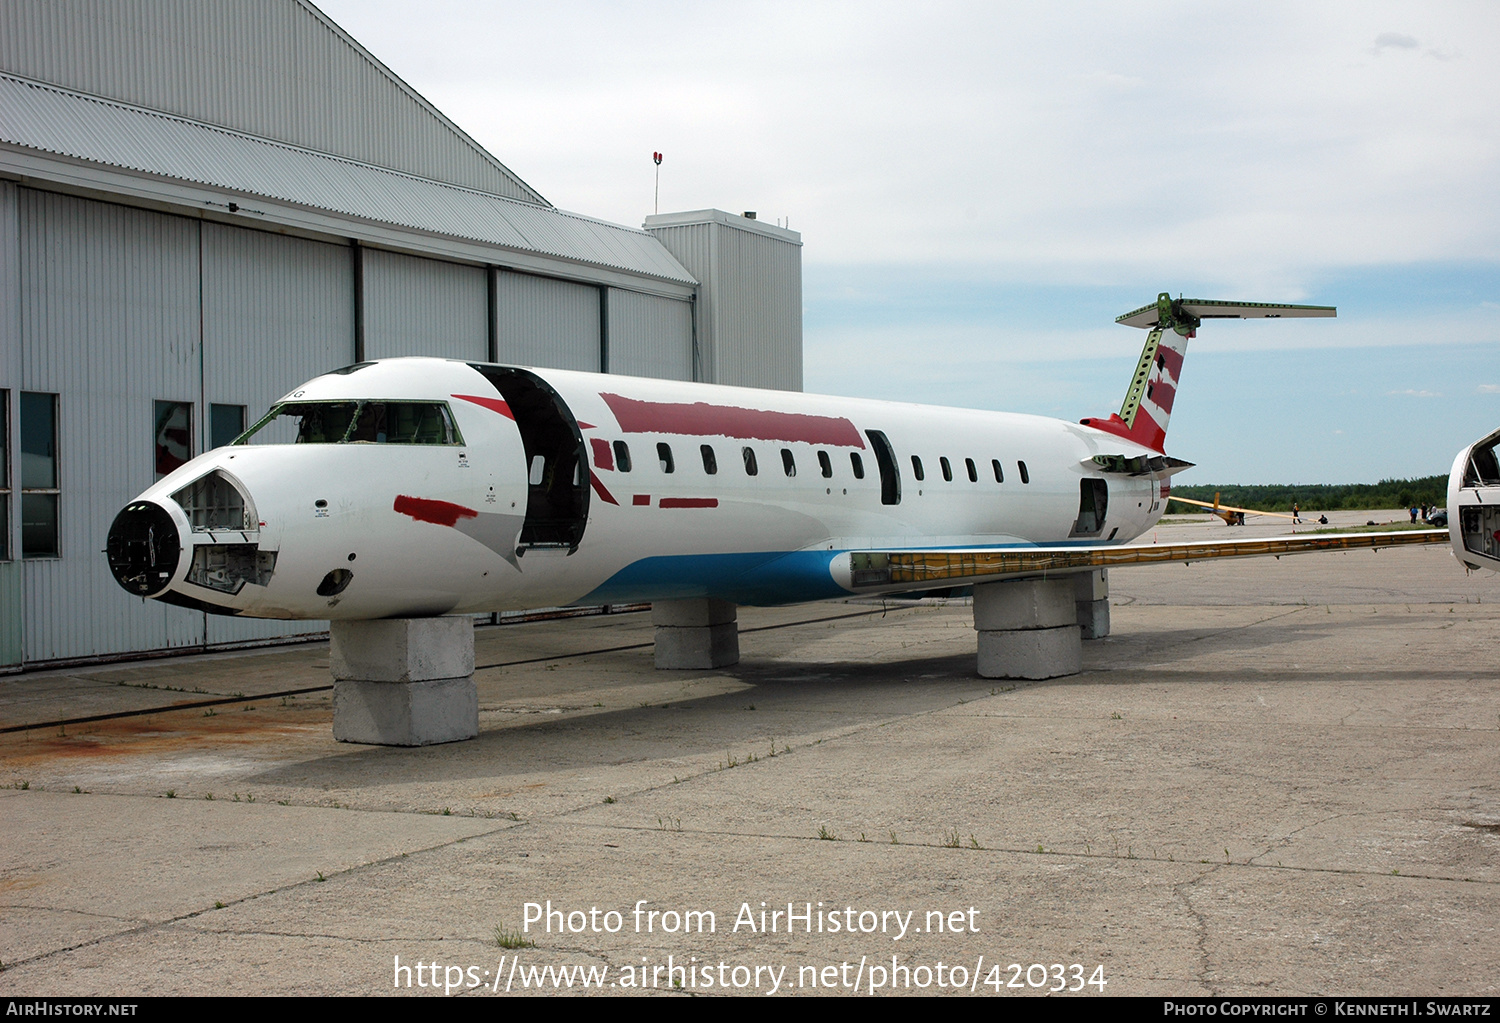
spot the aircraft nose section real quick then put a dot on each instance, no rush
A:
(143, 548)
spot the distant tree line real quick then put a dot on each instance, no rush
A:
(1430, 490)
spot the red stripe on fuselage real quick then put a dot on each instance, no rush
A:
(439, 513)
(689, 502)
(701, 419)
(600, 489)
(493, 404)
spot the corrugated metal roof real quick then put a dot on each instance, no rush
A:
(53, 120)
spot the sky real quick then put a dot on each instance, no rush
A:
(981, 188)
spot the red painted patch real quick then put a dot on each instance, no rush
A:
(1163, 394)
(640, 499)
(585, 426)
(493, 404)
(1172, 360)
(439, 513)
(701, 419)
(689, 502)
(603, 457)
(601, 490)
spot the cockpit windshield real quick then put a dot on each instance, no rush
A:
(355, 422)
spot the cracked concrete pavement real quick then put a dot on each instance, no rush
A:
(1275, 777)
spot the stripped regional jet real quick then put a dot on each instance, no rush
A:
(417, 487)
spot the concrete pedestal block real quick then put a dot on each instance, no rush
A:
(1091, 594)
(1024, 604)
(405, 713)
(402, 649)
(404, 681)
(697, 633)
(1027, 629)
(1030, 653)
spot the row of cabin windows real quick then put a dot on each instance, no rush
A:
(668, 464)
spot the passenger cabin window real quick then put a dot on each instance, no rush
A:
(916, 469)
(355, 422)
(947, 469)
(973, 472)
(857, 464)
(622, 455)
(174, 435)
(749, 455)
(710, 463)
(825, 465)
(999, 472)
(1025, 476)
(788, 464)
(664, 457)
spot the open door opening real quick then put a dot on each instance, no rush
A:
(557, 489)
(885, 457)
(1093, 506)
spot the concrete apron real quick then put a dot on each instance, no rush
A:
(404, 681)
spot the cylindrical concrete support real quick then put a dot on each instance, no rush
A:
(1091, 595)
(1027, 629)
(695, 633)
(404, 681)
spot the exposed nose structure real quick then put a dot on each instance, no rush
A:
(143, 548)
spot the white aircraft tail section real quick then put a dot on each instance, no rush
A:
(1148, 403)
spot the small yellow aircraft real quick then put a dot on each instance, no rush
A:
(1232, 516)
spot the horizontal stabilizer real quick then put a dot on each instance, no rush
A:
(1202, 309)
(919, 569)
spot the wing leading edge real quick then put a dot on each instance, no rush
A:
(917, 569)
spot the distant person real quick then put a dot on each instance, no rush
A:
(1414, 515)
(1296, 512)
(1322, 520)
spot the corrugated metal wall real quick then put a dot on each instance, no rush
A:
(544, 322)
(274, 68)
(416, 306)
(10, 381)
(109, 323)
(276, 311)
(749, 298)
(650, 336)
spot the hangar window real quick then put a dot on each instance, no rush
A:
(622, 455)
(999, 472)
(710, 462)
(225, 423)
(788, 464)
(39, 476)
(356, 422)
(664, 457)
(973, 472)
(916, 469)
(1025, 476)
(749, 456)
(174, 436)
(824, 465)
(947, 469)
(857, 464)
(4, 475)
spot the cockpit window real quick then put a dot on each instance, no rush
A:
(355, 422)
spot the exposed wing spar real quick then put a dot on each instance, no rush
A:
(917, 569)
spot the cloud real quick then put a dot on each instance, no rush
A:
(1489, 388)
(1416, 394)
(1395, 39)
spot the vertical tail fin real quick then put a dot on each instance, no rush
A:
(1148, 403)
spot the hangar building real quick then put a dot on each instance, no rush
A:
(202, 205)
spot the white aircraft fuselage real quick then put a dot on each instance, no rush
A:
(417, 486)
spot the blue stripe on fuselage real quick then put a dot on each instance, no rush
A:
(761, 579)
